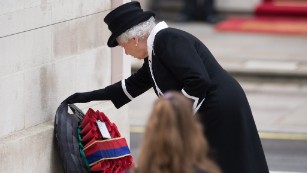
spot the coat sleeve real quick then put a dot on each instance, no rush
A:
(124, 91)
(179, 54)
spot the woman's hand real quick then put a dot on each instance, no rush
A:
(78, 98)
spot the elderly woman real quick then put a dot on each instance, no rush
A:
(176, 60)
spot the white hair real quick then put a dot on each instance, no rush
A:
(140, 30)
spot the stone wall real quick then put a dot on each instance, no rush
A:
(50, 49)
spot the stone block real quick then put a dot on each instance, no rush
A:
(25, 50)
(30, 150)
(93, 69)
(39, 96)
(63, 10)
(84, 72)
(11, 104)
(74, 37)
(7, 6)
(23, 20)
(16, 16)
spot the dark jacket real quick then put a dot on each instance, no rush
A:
(182, 62)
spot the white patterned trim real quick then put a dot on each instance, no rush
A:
(150, 40)
(196, 104)
(125, 90)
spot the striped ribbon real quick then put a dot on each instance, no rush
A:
(99, 150)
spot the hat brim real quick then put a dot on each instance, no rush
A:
(112, 39)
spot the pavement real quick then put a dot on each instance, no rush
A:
(271, 68)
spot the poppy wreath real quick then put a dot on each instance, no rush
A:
(101, 146)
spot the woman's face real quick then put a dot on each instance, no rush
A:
(135, 47)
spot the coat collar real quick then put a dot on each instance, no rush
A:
(151, 37)
(150, 40)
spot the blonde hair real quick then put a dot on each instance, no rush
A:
(173, 141)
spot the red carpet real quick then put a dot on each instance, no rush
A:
(272, 16)
(284, 8)
(264, 25)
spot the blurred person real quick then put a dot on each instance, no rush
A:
(176, 60)
(201, 10)
(173, 140)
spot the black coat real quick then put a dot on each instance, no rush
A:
(182, 62)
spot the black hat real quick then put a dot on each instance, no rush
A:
(123, 18)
